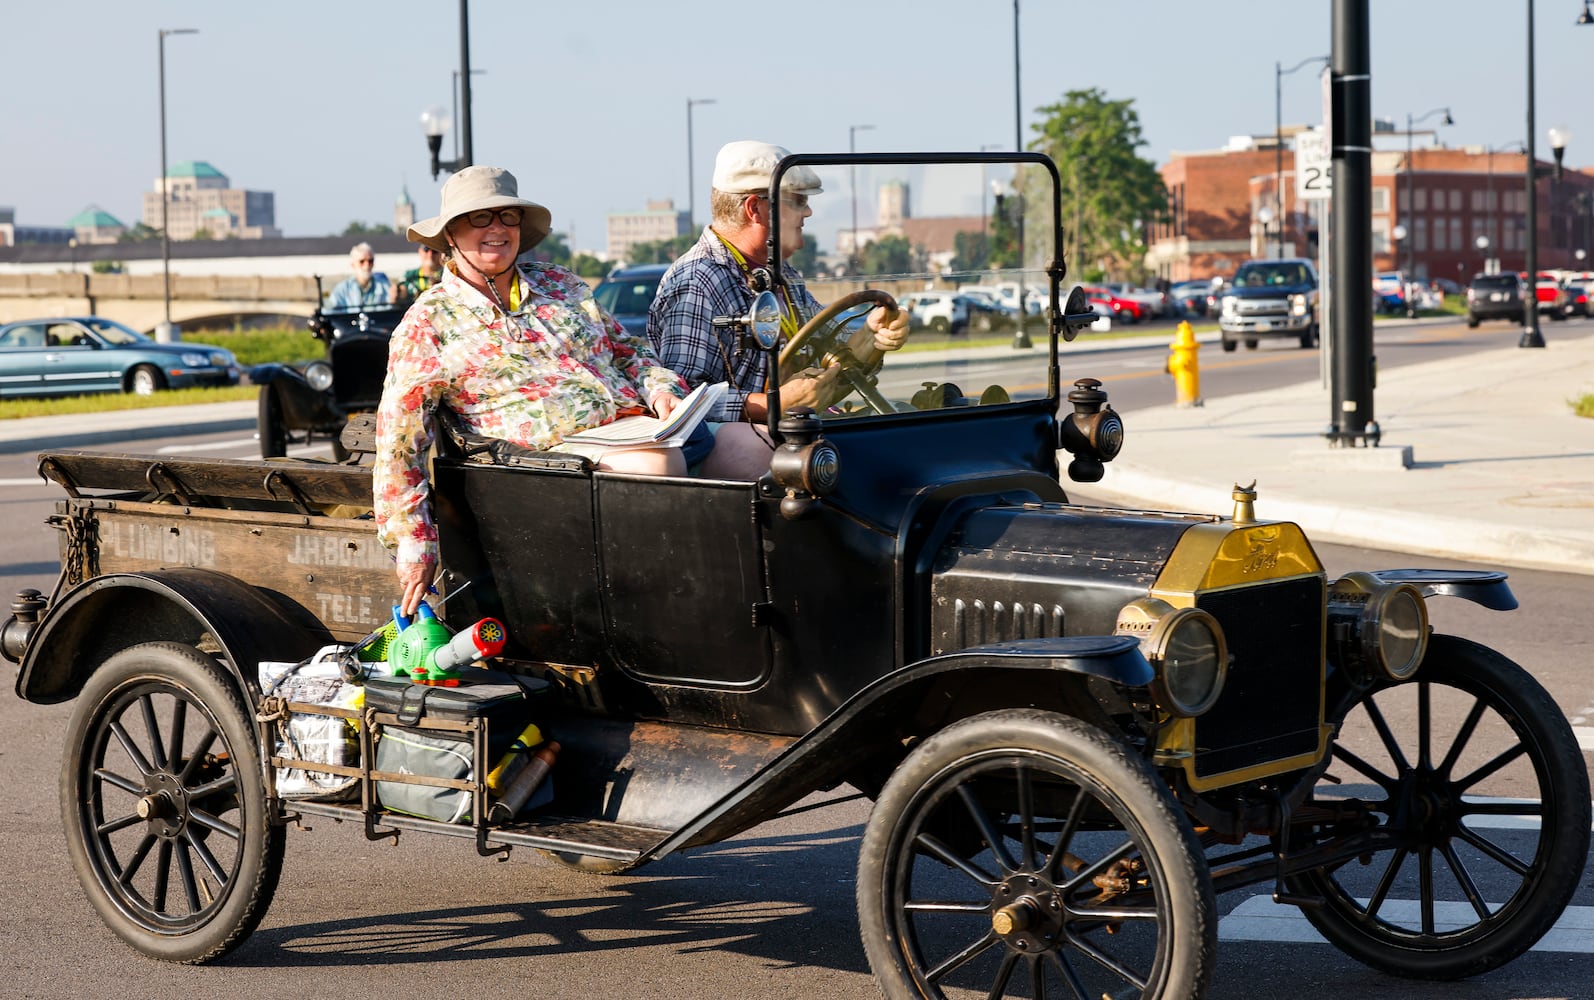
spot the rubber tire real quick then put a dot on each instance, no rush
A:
(1229, 346)
(1472, 322)
(145, 380)
(940, 326)
(1250, 344)
(1563, 848)
(1309, 338)
(168, 673)
(270, 426)
(1113, 774)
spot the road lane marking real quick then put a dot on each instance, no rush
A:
(30, 481)
(178, 449)
(1261, 919)
(1585, 736)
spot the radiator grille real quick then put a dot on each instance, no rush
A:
(1272, 702)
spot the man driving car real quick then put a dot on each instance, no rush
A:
(714, 279)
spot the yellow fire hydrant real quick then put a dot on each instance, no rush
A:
(1185, 367)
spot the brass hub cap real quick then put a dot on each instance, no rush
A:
(1027, 913)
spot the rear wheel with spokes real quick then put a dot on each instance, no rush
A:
(164, 804)
(1483, 813)
(1025, 853)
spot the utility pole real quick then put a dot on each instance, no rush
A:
(1352, 420)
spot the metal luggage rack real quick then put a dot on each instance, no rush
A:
(559, 834)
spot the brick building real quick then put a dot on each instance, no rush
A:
(1217, 201)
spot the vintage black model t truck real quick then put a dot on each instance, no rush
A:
(1077, 724)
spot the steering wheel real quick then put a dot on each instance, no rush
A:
(857, 363)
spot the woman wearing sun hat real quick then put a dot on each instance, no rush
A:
(519, 352)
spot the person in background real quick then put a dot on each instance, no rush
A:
(713, 279)
(519, 352)
(420, 278)
(365, 287)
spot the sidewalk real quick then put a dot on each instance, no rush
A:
(1501, 470)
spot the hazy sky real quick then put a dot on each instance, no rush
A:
(586, 102)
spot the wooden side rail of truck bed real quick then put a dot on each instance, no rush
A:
(308, 487)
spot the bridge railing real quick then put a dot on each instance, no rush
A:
(238, 288)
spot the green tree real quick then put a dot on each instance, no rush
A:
(553, 249)
(1110, 194)
(1002, 251)
(887, 255)
(202, 234)
(970, 251)
(358, 228)
(662, 251)
(588, 266)
(806, 259)
(140, 233)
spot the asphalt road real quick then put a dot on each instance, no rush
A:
(769, 914)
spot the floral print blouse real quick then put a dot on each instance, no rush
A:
(556, 366)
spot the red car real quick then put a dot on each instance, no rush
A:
(1550, 296)
(1127, 310)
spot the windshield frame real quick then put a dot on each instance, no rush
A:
(1056, 267)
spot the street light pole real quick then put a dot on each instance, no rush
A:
(1531, 335)
(691, 185)
(1560, 135)
(985, 216)
(1020, 335)
(1411, 203)
(852, 147)
(468, 155)
(455, 91)
(1279, 73)
(165, 333)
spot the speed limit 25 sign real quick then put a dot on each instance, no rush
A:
(1313, 181)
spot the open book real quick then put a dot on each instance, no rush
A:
(650, 432)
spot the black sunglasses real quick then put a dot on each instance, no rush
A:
(482, 218)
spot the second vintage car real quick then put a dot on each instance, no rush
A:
(300, 402)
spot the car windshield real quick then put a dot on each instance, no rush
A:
(934, 227)
(1492, 282)
(1270, 273)
(113, 332)
(627, 296)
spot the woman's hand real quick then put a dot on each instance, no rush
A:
(415, 579)
(664, 404)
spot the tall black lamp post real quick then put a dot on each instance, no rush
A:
(1021, 339)
(166, 332)
(1411, 202)
(691, 184)
(435, 121)
(1531, 335)
(1560, 135)
(852, 147)
(1279, 73)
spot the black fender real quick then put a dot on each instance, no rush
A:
(238, 624)
(915, 701)
(1486, 588)
(302, 407)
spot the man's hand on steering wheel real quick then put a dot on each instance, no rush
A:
(890, 328)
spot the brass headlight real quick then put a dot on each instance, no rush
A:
(1185, 647)
(1377, 627)
(319, 375)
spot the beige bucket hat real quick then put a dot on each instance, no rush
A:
(476, 188)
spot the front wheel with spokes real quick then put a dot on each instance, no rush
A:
(1026, 853)
(1480, 800)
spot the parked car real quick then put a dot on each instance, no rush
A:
(1270, 298)
(1127, 310)
(298, 402)
(79, 354)
(1551, 297)
(627, 293)
(1389, 292)
(937, 311)
(1495, 296)
(1152, 302)
(1189, 298)
(1577, 293)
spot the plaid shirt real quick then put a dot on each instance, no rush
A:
(703, 283)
